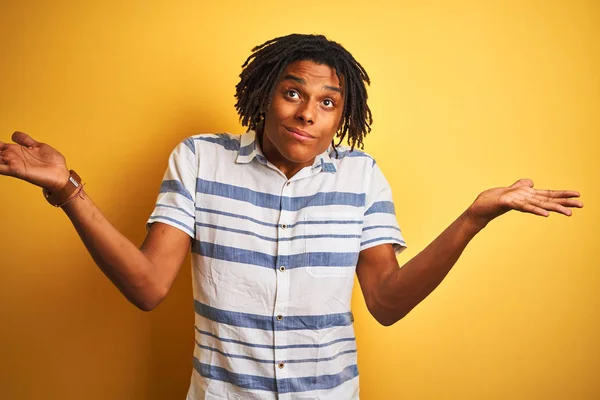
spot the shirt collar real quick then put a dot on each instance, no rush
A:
(250, 149)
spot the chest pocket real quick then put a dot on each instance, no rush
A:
(331, 243)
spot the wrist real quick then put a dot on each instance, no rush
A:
(473, 222)
(61, 181)
(71, 189)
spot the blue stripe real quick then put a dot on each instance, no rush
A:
(318, 360)
(260, 346)
(327, 259)
(224, 140)
(247, 150)
(243, 256)
(174, 186)
(280, 347)
(233, 254)
(348, 153)
(367, 228)
(386, 207)
(321, 382)
(327, 222)
(273, 225)
(175, 208)
(261, 159)
(277, 202)
(287, 385)
(323, 199)
(244, 381)
(270, 323)
(328, 167)
(271, 361)
(231, 355)
(386, 239)
(228, 214)
(157, 218)
(189, 142)
(238, 193)
(270, 239)
(322, 236)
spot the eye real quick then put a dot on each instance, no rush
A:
(328, 103)
(292, 94)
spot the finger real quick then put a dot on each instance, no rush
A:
(557, 193)
(551, 206)
(24, 139)
(5, 167)
(567, 202)
(7, 157)
(4, 170)
(522, 182)
(523, 206)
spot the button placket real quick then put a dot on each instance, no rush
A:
(284, 249)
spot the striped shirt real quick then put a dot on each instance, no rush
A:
(273, 263)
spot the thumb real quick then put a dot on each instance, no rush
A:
(522, 182)
(24, 139)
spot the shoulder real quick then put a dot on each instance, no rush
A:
(226, 141)
(344, 156)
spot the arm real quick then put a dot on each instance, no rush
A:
(391, 292)
(144, 275)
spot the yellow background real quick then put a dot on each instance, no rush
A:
(465, 95)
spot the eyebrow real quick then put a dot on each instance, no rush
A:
(303, 82)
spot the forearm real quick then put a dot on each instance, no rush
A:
(403, 288)
(118, 258)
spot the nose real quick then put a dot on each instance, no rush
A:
(306, 113)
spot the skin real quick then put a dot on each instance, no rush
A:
(307, 99)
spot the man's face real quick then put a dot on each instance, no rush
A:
(304, 114)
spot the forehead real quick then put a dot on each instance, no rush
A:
(312, 72)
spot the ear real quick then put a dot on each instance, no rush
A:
(260, 124)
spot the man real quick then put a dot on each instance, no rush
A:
(278, 220)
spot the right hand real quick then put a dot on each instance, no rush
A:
(33, 162)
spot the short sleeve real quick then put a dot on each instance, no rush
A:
(175, 204)
(380, 225)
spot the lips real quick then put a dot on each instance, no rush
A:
(299, 134)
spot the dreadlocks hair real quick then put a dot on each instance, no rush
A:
(264, 67)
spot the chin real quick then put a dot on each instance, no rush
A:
(298, 156)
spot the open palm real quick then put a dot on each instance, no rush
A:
(521, 196)
(34, 162)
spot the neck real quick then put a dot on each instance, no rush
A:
(287, 167)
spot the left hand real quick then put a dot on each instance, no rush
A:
(521, 196)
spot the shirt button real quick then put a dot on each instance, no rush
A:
(282, 268)
(280, 365)
(283, 226)
(287, 184)
(279, 317)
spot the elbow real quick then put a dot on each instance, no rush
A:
(149, 299)
(389, 320)
(146, 306)
(386, 321)
(141, 287)
(386, 315)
